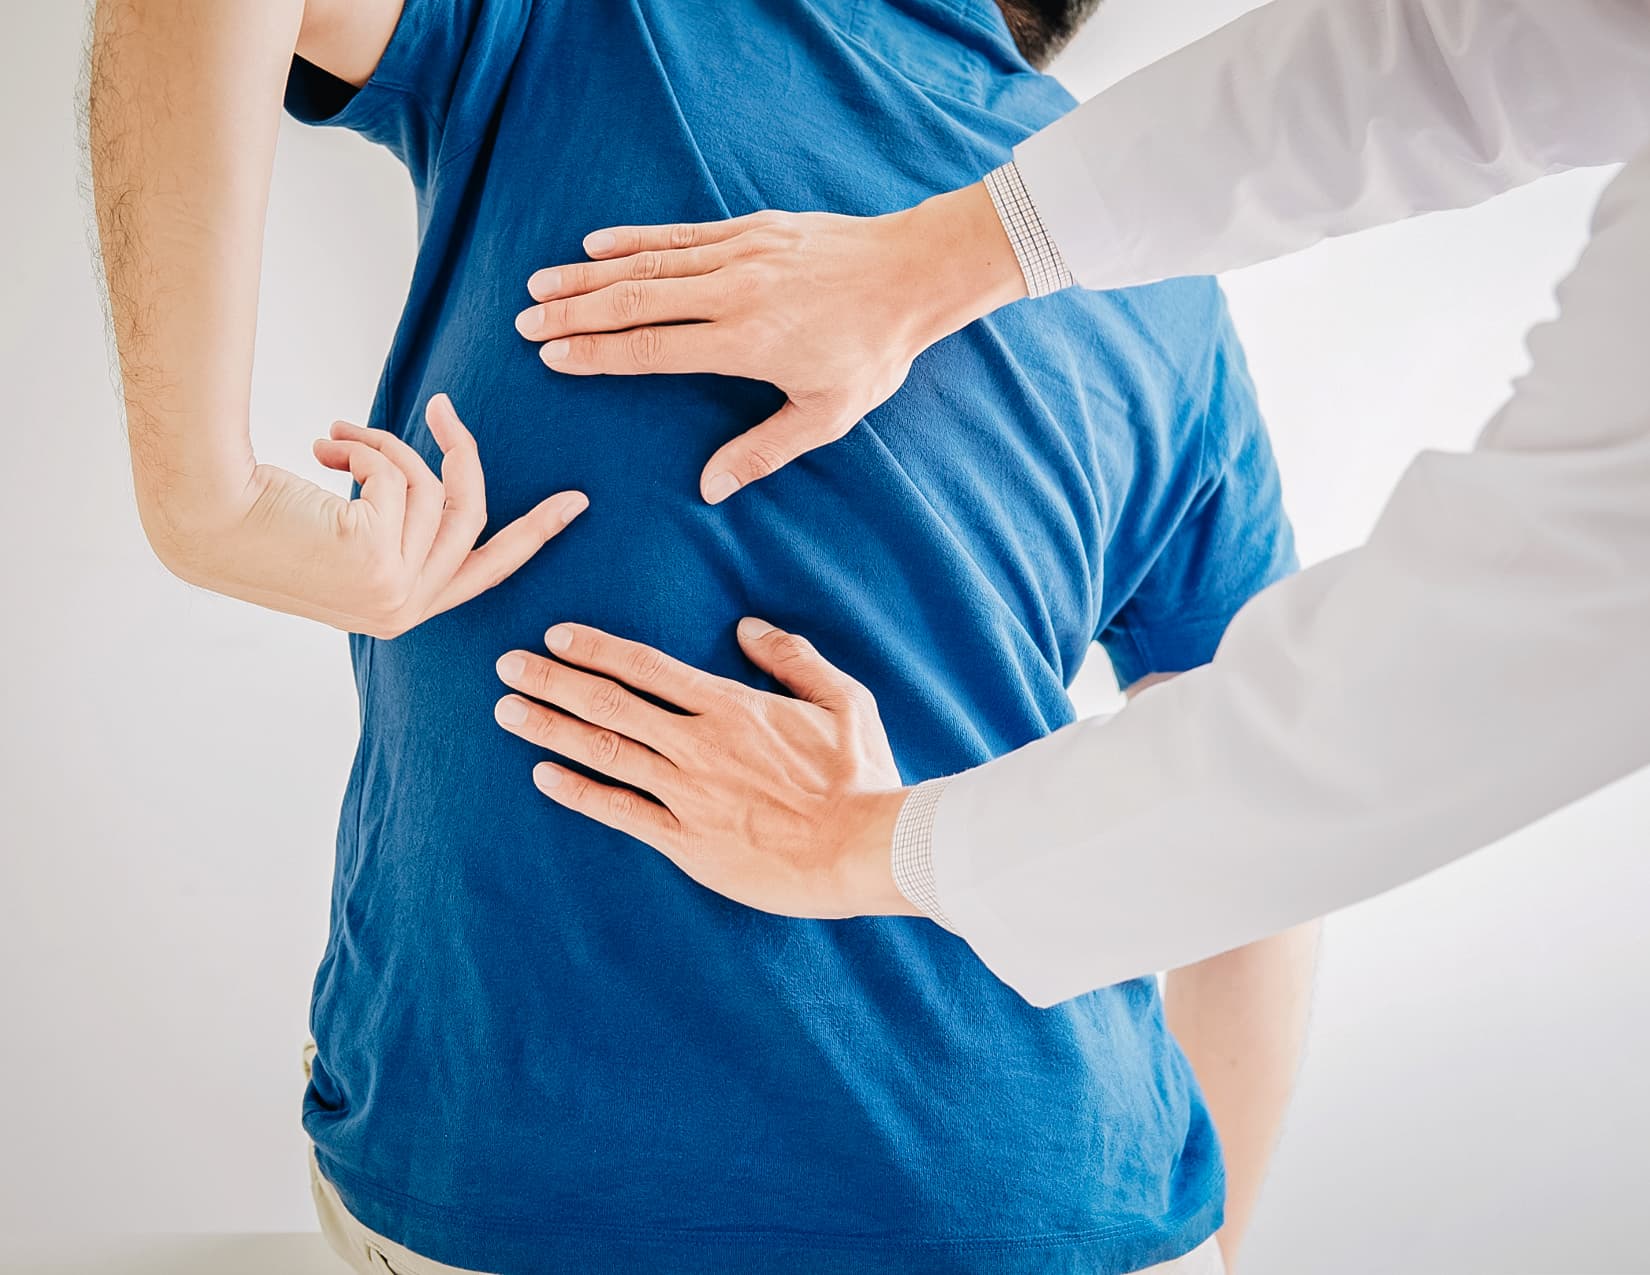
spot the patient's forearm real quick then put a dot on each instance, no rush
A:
(184, 106)
(1241, 1019)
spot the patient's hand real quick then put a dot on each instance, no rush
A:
(379, 564)
(830, 309)
(787, 805)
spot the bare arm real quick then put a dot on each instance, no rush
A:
(184, 106)
(185, 102)
(347, 37)
(1241, 1020)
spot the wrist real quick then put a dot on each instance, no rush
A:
(865, 856)
(958, 263)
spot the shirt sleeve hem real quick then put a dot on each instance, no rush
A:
(315, 96)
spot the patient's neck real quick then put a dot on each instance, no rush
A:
(1041, 28)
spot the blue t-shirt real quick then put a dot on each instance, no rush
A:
(543, 1048)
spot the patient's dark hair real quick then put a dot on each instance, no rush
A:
(1043, 27)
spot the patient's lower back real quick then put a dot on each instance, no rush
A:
(541, 1047)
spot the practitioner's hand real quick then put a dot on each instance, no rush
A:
(830, 309)
(787, 805)
(379, 564)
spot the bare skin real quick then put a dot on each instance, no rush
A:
(184, 105)
(1241, 1019)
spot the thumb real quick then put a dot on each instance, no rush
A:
(793, 662)
(790, 432)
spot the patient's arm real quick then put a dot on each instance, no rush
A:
(347, 37)
(184, 106)
(1241, 1019)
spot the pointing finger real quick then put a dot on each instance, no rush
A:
(508, 550)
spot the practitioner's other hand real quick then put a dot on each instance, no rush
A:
(832, 310)
(400, 552)
(787, 805)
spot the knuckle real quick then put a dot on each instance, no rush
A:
(606, 702)
(647, 265)
(469, 519)
(780, 237)
(645, 667)
(744, 283)
(787, 646)
(708, 750)
(731, 703)
(543, 727)
(385, 587)
(556, 316)
(646, 347)
(683, 236)
(629, 300)
(763, 459)
(624, 804)
(581, 277)
(605, 747)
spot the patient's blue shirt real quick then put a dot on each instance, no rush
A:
(541, 1047)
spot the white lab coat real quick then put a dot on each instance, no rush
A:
(1485, 658)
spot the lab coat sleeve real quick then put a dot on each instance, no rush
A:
(1307, 119)
(1482, 661)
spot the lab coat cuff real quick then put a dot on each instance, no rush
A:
(913, 860)
(1041, 264)
(1072, 208)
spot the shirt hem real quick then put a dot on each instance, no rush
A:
(515, 1247)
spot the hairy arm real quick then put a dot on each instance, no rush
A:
(183, 110)
(184, 106)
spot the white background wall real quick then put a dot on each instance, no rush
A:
(170, 762)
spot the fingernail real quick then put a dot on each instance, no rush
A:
(559, 638)
(544, 283)
(750, 628)
(528, 319)
(600, 242)
(511, 666)
(572, 507)
(510, 711)
(555, 351)
(718, 487)
(546, 776)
